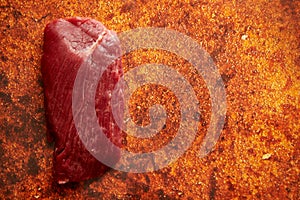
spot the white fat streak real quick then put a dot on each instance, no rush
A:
(89, 50)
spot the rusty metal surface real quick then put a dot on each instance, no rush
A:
(255, 46)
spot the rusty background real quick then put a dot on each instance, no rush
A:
(255, 45)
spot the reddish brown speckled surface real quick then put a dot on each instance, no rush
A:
(256, 48)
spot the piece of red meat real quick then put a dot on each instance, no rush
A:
(68, 43)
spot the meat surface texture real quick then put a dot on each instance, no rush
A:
(68, 43)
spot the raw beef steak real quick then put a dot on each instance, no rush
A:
(68, 45)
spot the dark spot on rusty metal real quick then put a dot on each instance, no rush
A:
(95, 194)
(109, 16)
(251, 151)
(1, 152)
(6, 127)
(41, 18)
(230, 186)
(8, 192)
(40, 81)
(225, 125)
(33, 168)
(220, 149)
(122, 176)
(5, 97)
(5, 6)
(63, 189)
(4, 58)
(288, 84)
(124, 141)
(146, 188)
(297, 61)
(19, 129)
(12, 178)
(147, 179)
(25, 99)
(213, 184)
(227, 77)
(17, 14)
(258, 196)
(289, 6)
(113, 197)
(127, 7)
(132, 196)
(3, 80)
(162, 195)
(2, 184)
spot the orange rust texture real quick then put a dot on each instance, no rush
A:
(255, 45)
